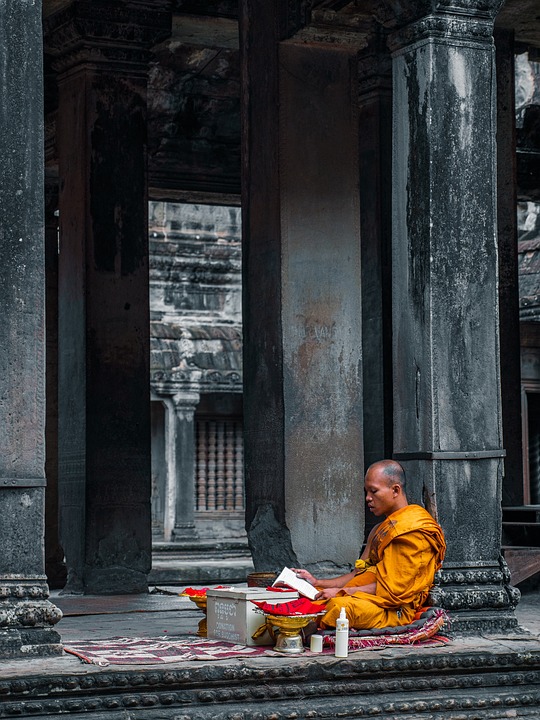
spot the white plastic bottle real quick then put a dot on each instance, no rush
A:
(342, 635)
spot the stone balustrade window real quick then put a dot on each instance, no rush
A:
(219, 470)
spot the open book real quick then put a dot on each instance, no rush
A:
(291, 579)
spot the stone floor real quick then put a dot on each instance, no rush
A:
(496, 676)
(164, 612)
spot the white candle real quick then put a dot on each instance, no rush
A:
(316, 643)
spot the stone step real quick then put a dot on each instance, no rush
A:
(470, 680)
(227, 543)
(202, 548)
(169, 568)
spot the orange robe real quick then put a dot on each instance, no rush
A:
(406, 551)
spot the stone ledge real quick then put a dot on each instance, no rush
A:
(398, 683)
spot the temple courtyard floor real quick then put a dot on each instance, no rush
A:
(491, 676)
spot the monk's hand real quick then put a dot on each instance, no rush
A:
(305, 575)
(328, 593)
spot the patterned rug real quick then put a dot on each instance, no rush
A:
(430, 628)
(147, 651)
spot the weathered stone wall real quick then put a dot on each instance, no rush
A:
(26, 616)
(196, 369)
(195, 297)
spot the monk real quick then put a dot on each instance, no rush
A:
(395, 572)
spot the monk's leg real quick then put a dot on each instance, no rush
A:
(362, 613)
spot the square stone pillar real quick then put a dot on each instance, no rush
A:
(375, 172)
(104, 387)
(26, 616)
(302, 294)
(179, 523)
(54, 553)
(512, 493)
(447, 404)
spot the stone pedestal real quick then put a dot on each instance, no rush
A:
(104, 415)
(26, 616)
(447, 421)
(302, 299)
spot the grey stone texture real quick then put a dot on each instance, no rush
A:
(447, 407)
(308, 303)
(508, 269)
(26, 616)
(375, 175)
(302, 301)
(104, 418)
(196, 358)
(480, 680)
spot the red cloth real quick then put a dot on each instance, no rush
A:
(195, 592)
(201, 592)
(301, 606)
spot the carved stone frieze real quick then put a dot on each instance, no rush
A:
(479, 597)
(450, 28)
(322, 35)
(213, 272)
(470, 576)
(135, 58)
(333, 22)
(26, 613)
(396, 13)
(446, 685)
(20, 590)
(374, 66)
(119, 33)
(487, 623)
(204, 377)
(469, 598)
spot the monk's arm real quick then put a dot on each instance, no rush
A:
(337, 582)
(369, 541)
(370, 588)
(358, 586)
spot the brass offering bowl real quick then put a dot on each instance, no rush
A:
(201, 602)
(289, 640)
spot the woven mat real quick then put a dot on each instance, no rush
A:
(429, 629)
(147, 651)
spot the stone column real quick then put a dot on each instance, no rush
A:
(101, 56)
(302, 299)
(508, 269)
(447, 405)
(375, 152)
(54, 553)
(179, 521)
(26, 616)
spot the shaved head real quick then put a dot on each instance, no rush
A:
(391, 471)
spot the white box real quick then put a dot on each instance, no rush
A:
(232, 617)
